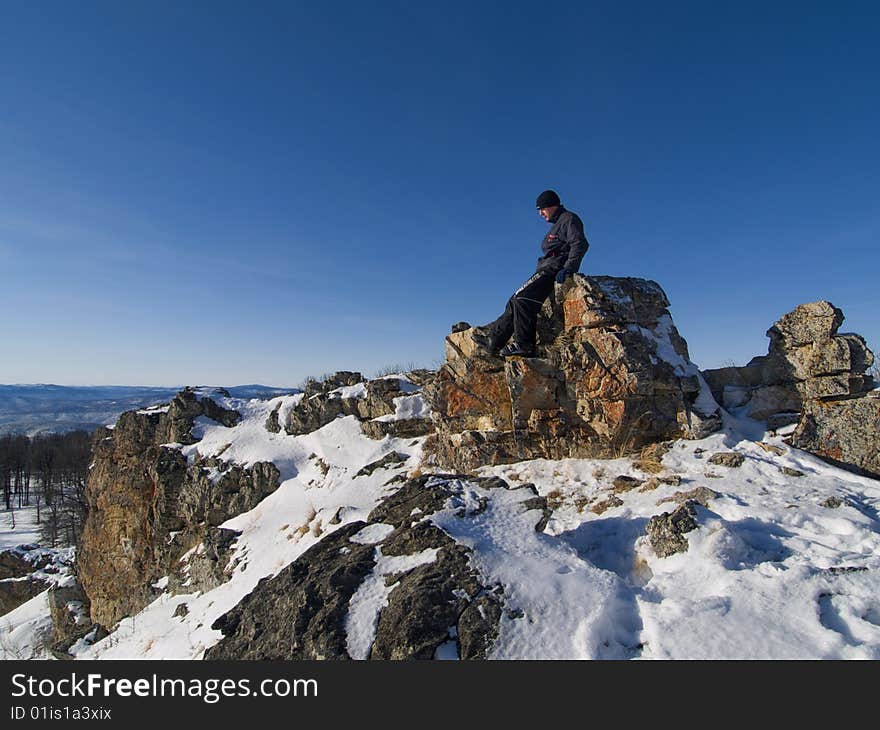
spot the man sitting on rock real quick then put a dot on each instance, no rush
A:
(564, 246)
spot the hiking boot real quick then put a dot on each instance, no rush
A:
(514, 350)
(484, 341)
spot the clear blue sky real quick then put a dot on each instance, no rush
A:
(224, 193)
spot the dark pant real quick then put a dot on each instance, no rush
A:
(520, 317)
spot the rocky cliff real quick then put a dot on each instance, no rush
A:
(148, 504)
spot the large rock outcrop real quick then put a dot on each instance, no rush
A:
(148, 505)
(807, 360)
(611, 376)
(816, 378)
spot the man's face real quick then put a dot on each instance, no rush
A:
(548, 213)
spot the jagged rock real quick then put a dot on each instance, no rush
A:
(181, 611)
(15, 591)
(300, 613)
(845, 432)
(147, 506)
(204, 568)
(175, 426)
(386, 461)
(612, 376)
(366, 400)
(421, 376)
(806, 359)
(666, 532)
(700, 495)
(69, 609)
(808, 323)
(832, 502)
(437, 599)
(673, 479)
(17, 562)
(789, 472)
(213, 491)
(273, 425)
(625, 484)
(404, 428)
(727, 458)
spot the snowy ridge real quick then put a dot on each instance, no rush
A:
(784, 563)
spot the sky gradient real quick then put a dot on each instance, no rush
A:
(228, 193)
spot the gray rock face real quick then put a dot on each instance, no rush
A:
(807, 359)
(844, 431)
(147, 506)
(613, 375)
(214, 490)
(300, 613)
(206, 568)
(439, 600)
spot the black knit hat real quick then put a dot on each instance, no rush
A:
(547, 199)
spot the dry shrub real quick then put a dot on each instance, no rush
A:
(650, 460)
(606, 504)
(580, 502)
(554, 499)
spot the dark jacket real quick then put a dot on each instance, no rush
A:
(565, 243)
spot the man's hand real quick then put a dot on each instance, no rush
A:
(563, 275)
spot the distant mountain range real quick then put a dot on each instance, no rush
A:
(36, 409)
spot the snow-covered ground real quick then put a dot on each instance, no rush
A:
(19, 527)
(26, 632)
(780, 566)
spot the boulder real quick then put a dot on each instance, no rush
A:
(612, 374)
(666, 532)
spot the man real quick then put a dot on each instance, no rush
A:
(564, 246)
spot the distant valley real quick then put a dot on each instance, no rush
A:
(37, 409)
